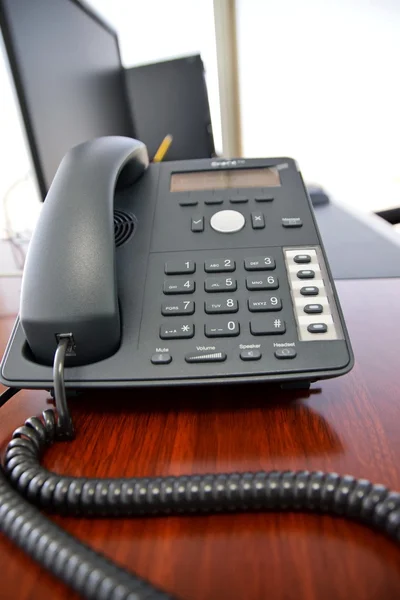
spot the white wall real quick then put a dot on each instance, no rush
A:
(319, 81)
(154, 30)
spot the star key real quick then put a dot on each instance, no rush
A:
(177, 331)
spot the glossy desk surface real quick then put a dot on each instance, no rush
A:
(348, 425)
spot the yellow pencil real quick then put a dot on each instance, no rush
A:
(163, 148)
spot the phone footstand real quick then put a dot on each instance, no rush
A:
(295, 385)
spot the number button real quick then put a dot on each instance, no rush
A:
(221, 306)
(219, 265)
(259, 263)
(264, 303)
(267, 326)
(222, 329)
(262, 283)
(179, 286)
(179, 267)
(220, 284)
(177, 331)
(181, 307)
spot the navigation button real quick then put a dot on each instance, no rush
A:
(310, 290)
(317, 328)
(313, 309)
(227, 221)
(161, 359)
(197, 224)
(203, 357)
(257, 220)
(283, 353)
(250, 354)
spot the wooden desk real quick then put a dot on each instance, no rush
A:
(349, 425)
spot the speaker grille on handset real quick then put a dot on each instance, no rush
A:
(124, 225)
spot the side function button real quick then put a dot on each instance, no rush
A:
(180, 307)
(179, 286)
(302, 259)
(264, 303)
(257, 220)
(306, 274)
(238, 200)
(292, 222)
(229, 305)
(212, 200)
(197, 224)
(222, 329)
(313, 309)
(250, 354)
(219, 265)
(220, 284)
(188, 201)
(259, 263)
(283, 353)
(203, 357)
(261, 198)
(227, 221)
(267, 326)
(317, 328)
(161, 359)
(179, 267)
(177, 331)
(262, 283)
(309, 290)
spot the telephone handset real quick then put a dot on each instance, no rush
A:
(69, 285)
(216, 274)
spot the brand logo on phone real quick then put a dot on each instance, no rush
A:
(228, 163)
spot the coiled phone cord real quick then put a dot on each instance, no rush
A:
(96, 577)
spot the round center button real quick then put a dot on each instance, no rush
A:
(227, 221)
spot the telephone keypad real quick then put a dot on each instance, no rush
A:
(267, 325)
(220, 284)
(179, 267)
(259, 263)
(262, 283)
(222, 329)
(264, 303)
(226, 305)
(177, 331)
(179, 307)
(219, 265)
(179, 286)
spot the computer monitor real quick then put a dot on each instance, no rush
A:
(170, 97)
(67, 70)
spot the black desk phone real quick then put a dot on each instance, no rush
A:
(218, 274)
(188, 272)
